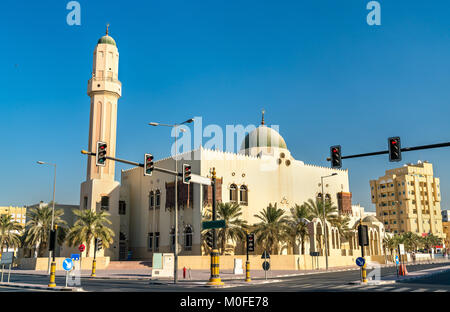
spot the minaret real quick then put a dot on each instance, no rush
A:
(100, 191)
(105, 89)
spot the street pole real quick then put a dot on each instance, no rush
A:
(94, 262)
(53, 211)
(325, 225)
(214, 280)
(175, 273)
(247, 265)
(324, 219)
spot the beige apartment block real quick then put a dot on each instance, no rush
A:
(408, 199)
(18, 213)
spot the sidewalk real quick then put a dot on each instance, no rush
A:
(201, 277)
(40, 286)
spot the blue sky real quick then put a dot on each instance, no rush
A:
(320, 72)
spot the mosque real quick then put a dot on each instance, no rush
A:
(263, 172)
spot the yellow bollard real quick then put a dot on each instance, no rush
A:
(215, 278)
(94, 265)
(247, 271)
(364, 273)
(52, 275)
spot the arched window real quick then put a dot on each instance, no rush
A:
(188, 238)
(319, 196)
(151, 200)
(243, 195)
(233, 193)
(327, 196)
(158, 199)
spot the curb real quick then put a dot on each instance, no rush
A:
(58, 288)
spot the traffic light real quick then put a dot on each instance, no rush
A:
(209, 239)
(52, 240)
(186, 174)
(363, 235)
(336, 157)
(99, 244)
(148, 165)
(395, 153)
(250, 242)
(101, 154)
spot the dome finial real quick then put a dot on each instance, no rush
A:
(107, 29)
(262, 121)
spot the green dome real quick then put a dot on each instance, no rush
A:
(263, 137)
(107, 40)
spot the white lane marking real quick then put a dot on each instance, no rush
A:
(401, 289)
(441, 290)
(384, 288)
(420, 290)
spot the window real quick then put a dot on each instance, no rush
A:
(188, 238)
(85, 202)
(122, 207)
(233, 193)
(156, 241)
(243, 195)
(150, 241)
(104, 204)
(158, 199)
(151, 200)
(172, 239)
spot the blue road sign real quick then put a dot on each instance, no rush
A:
(396, 260)
(67, 264)
(360, 261)
(75, 257)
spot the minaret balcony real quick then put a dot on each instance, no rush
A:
(104, 84)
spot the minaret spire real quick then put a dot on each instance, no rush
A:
(107, 29)
(262, 121)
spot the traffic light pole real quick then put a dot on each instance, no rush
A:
(214, 280)
(247, 266)
(135, 164)
(405, 149)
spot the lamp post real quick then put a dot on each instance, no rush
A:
(324, 220)
(53, 209)
(175, 126)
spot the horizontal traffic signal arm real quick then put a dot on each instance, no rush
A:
(405, 149)
(180, 174)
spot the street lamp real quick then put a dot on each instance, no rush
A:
(324, 220)
(53, 210)
(175, 126)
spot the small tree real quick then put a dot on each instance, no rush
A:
(9, 232)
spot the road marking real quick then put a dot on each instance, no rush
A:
(420, 290)
(401, 289)
(384, 288)
(441, 290)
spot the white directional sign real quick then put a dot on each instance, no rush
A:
(200, 180)
(401, 249)
(67, 264)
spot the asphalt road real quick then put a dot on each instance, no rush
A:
(334, 282)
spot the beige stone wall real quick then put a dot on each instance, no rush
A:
(277, 262)
(41, 264)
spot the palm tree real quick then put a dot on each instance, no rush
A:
(272, 228)
(235, 227)
(90, 225)
(315, 209)
(341, 223)
(37, 229)
(9, 232)
(298, 225)
(410, 240)
(430, 241)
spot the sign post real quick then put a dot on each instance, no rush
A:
(67, 266)
(265, 265)
(6, 258)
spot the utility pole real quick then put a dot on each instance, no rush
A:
(215, 277)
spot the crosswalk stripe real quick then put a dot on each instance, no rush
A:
(441, 290)
(420, 290)
(401, 289)
(384, 288)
